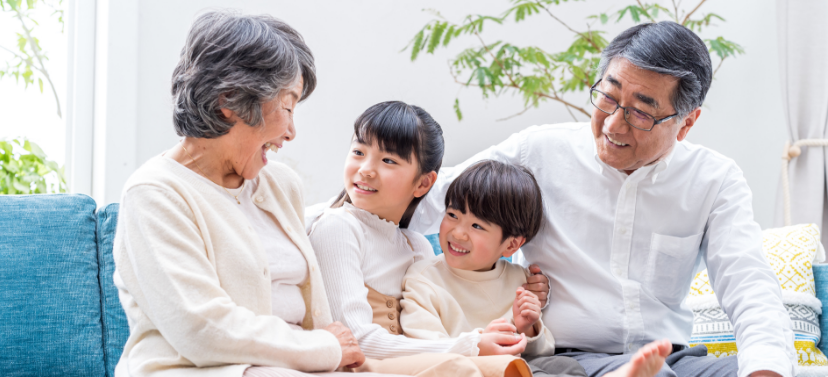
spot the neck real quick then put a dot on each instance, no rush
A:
(206, 158)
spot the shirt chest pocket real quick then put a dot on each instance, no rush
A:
(670, 266)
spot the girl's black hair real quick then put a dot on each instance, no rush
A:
(401, 129)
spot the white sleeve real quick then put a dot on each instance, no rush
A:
(745, 285)
(426, 219)
(337, 246)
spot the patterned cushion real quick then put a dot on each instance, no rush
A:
(790, 251)
(50, 302)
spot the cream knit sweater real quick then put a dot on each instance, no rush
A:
(355, 248)
(193, 278)
(441, 302)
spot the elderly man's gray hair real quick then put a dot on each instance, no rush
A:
(670, 49)
(238, 63)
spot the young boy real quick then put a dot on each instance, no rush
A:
(492, 209)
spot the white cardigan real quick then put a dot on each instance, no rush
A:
(193, 278)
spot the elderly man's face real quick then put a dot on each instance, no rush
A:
(622, 146)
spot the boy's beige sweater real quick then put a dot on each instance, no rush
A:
(441, 302)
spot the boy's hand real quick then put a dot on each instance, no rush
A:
(538, 284)
(526, 311)
(501, 344)
(500, 325)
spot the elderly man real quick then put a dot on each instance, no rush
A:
(632, 212)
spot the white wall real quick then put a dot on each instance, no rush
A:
(357, 44)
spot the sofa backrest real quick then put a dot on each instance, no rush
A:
(59, 311)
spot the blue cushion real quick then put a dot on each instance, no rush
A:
(115, 326)
(50, 304)
(821, 282)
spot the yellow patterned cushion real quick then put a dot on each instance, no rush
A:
(790, 251)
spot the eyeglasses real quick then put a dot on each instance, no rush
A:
(634, 117)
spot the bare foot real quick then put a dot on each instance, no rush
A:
(646, 362)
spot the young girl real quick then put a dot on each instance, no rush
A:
(364, 249)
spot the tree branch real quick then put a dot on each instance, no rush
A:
(554, 91)
(717, 68)
(495, 59)
(645, 11)
(539, 94)
(25, 59)
(687, 17)
(586, 37)
(514, 115)
(675, 9)
(37, 55)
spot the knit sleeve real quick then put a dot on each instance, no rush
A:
(179, 291)
(336, 239)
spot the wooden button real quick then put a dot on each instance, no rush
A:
(390, 315)
(389, 304)
(393, 328)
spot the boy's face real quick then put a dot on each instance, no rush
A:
(473, 244)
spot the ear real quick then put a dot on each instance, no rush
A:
(228, 114)
(426, 181)
(689, 121)
(514, 243)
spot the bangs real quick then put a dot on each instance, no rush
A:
(393, 126)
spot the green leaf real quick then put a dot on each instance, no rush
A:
(604, 18)
(436, 34)
(40, 84)
(457, 109)
(418, 45)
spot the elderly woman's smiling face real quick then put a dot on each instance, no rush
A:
(249, 145)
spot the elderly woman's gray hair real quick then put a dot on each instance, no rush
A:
(238, 63)
(670, 49)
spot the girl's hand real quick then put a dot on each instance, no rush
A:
(501, 344)
(500, 326)
(537, 284)
(352, 356)
(526, 311)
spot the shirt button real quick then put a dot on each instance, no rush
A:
(264, 272)
(259, 199)
(390, 315)
(313, 268)
(393, 328)
(287, 228)
(618, 271)
(622, 230)
(389, 304)
(316, 313)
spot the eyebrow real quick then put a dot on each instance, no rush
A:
(641, 97)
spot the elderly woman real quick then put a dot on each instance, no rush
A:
(214, 269)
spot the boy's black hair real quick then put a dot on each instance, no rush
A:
(502, 194)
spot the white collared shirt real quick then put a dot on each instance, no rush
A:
(621, 250)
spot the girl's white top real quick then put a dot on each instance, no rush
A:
(356, 248)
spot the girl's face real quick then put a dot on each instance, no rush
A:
(383, 183)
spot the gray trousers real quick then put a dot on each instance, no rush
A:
(555, 366)
(690, 362)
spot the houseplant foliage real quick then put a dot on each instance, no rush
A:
(24, 169)
(26, 61)
(500, 67)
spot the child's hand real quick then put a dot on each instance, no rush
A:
(501, 344)
(537, 283)
(526, 311)
(500, 325)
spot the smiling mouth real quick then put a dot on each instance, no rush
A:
(457, 250)
(614, 142)
(365, 188)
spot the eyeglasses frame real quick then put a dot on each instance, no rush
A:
(625, 108)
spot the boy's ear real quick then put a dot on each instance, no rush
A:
(426, 181)
(514, 243)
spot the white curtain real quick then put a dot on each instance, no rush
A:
(803, 62)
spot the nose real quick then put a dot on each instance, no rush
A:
(459, 234)
(615, 123)
(290, 134)
(366, 169)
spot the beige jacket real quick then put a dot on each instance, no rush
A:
(194, 281)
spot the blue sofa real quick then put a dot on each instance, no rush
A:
(59, 309)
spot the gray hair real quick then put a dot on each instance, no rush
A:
(669, 49)
(238, 63)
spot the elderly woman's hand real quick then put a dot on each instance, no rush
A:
(352, 356)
